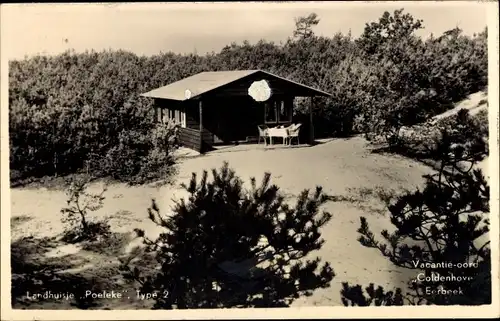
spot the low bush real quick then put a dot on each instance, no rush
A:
(421, 141)
(138, 157)
(76, 214)
(482, 122)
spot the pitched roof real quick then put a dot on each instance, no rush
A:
(204, 82)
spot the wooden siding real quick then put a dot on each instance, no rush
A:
(190, 138)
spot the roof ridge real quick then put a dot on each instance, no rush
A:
(229, 70)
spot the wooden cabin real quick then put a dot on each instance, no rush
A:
(216, 108)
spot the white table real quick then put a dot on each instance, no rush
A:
(277, 132)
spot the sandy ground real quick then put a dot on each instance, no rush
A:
(342, 166)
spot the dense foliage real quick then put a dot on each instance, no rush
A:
(71, 111)
(79, 112)
(441, 231)
(227, 246)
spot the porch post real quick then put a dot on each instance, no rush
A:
(200, 104)
(311, 124)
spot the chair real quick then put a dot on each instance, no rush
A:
(293, 132)
(263, 133)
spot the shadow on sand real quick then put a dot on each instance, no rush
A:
(33, 275)
(47, 266)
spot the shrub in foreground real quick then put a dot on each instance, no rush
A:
(441, 231)
(231, 247)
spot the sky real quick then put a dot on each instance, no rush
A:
(151, 28)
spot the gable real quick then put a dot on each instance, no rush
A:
(229, 83)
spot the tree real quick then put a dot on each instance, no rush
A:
(304, 25)
(391, 46)
(389, 29)
(231, 247)
(80, 202)
(440, 231)
(416, 79)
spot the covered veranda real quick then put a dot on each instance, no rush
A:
(223, 108)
